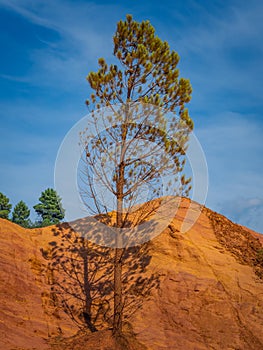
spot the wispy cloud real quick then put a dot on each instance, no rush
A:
(83, 36)
(248, 211)
(14, 78)
(233, 147)
(221, 52)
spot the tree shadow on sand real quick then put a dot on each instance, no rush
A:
(82, 275)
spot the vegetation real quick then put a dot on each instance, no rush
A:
(141, 144)
(21, 214)
(144, 141)
(50, 208)
(259, 258)
(5, 206)
(87, 268)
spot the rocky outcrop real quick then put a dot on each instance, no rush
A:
(209, 293)
(28, 314)
(210, 296)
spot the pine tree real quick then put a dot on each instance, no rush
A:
(146, 74)
(50, 208)
(5, 206)
(21, 214)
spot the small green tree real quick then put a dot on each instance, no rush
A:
(5, 206)
(50, 208)
(21, 214)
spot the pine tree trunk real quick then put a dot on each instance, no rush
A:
(88, 299)
(119, 251)
(118, 302)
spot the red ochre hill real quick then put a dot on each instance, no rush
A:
(209, 293)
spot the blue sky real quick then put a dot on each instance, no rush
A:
(48, 48)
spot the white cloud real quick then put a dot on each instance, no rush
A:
(233, 147)
(222, 55)
(232, 141)
(246, 211)
(84, 36)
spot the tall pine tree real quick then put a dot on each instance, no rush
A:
(142, 143)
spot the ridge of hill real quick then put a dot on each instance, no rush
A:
(209, 293)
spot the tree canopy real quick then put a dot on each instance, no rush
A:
(50, 208)
(147, 72)
(21, 214)
(5, 206)
(137, 138)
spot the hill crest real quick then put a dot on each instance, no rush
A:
(209, 295)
